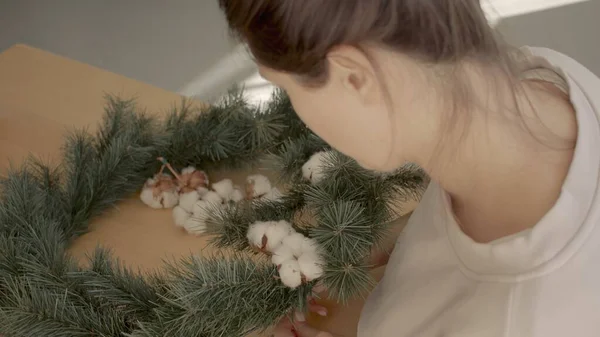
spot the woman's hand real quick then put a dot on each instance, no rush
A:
(297, 328)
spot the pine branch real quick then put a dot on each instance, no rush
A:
(331, 190)
(345, 280)
(220, 141)
(50, 186)
(344, 231)
(46, 242)
(338, 166)
(182, 134)
(269, 210)
(79, 155)
(289, 158)
(97, 181)
(109, 283)
(407, 183)
(220, 296)
(280, 105)
(229, 225)
(13, 251)
(239, 134)
(42, 300)
(60, 280)
(23, 201)
(32, 311)
(117, 117)
(230, 134)
(295, 197)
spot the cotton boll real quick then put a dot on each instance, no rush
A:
(191, 179)
(202, 191)
(236, 195)
(289, 272)
(162, 182)
(180, 216)
(224, 188)
(276, 232)
(282, 254)
(195, 226)
(160, 191)
(312, 170)
(257, 186)
(151, 182)
(310, 246)
(187, 200)
(257, 232)
(295, 242)
(212, 197)
(170, 199)
(311, 266)
(288, 225)
(188, 170)
(148, 198)
(274, 194)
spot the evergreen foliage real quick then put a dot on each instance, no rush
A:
(44, 292)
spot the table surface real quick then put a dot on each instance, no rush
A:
(42, 96)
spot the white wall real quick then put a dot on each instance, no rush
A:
(165, 43)
(183, 45)
(572, 29)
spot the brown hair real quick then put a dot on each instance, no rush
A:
(295, 35)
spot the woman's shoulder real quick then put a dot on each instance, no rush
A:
(567, 66)
(579, 83)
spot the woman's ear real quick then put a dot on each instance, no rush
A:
(353, 79)
(353, 70)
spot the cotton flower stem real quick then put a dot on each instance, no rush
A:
(250, 191)
(303, 278)
(263, 248)
(264, 242)
(166, 164)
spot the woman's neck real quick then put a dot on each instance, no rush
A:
(507, 169)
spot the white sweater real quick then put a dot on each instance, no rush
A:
(542, 282)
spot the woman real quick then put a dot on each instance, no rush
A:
(505, 241)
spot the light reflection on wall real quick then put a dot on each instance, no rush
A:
(498, 9)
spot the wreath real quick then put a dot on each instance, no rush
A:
(319, 226)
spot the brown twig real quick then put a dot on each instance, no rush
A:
(166, 163)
